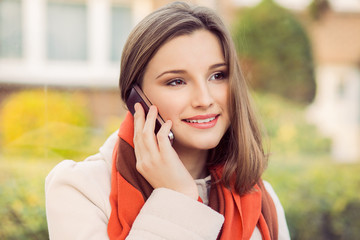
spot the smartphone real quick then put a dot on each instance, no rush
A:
(137, 96)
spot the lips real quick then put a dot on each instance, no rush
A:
(202, 121)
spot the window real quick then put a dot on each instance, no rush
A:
(121, 26)
(66, 31)
(10, 29)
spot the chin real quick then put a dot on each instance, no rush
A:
(201, 144)
(207, 146)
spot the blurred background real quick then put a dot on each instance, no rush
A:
(59, 68)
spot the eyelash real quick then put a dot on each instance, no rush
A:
(222, 77)
(177, 81)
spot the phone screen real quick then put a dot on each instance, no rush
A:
(137, 96)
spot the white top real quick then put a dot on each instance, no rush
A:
(78, 207)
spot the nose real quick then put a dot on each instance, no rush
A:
(202, 96)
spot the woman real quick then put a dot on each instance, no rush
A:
(183, 59)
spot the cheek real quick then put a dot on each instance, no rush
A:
(221, 96)
(170, 107)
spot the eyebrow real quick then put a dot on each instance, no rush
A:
(183, 71)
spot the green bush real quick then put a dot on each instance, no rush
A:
(288, 133)
(319, 196)
(22, 203)
(44, 123)
(320, 199)
(275, 51)
(317, 8)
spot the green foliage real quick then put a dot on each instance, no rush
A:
(286, 128)
(317, 8)
(275, 51)
(320, 199)
(38, 129)
(22, 199)
(44, 123)
(319, 196)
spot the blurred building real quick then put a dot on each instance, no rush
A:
(67, 42)
(73, 45)
(335, 39)
(64, 43)
(336, 109)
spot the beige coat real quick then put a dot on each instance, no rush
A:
(78, 207)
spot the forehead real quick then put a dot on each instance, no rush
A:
(200, 47)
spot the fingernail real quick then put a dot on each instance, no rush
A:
(136, 106)
(153, 107)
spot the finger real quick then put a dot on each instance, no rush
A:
(139, 118)
(149, 125)
(139, 121)
(149, 138)
(163, 137)
(139, 148)
(146, 148)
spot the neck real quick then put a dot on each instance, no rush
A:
(194, 161)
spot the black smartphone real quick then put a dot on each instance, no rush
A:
(136, 95)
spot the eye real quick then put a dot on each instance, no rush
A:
(218, 76)
(175, 82)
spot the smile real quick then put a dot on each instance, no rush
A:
(203, 121)
(200, 120)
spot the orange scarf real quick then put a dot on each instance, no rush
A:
(129, 191)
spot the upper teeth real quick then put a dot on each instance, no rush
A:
(200, 120)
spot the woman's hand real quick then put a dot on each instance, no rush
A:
(156, 159)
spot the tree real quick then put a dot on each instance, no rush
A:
(275, 52)
(318, 8)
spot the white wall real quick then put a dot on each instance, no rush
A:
(336, 109)
(97, 70)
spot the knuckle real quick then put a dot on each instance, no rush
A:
(136, 115)
(161, 136)
(143, 166)
(147, 134)
(136, 137)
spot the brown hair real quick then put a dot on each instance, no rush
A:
(240, 150)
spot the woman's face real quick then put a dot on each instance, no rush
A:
(187, 79)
